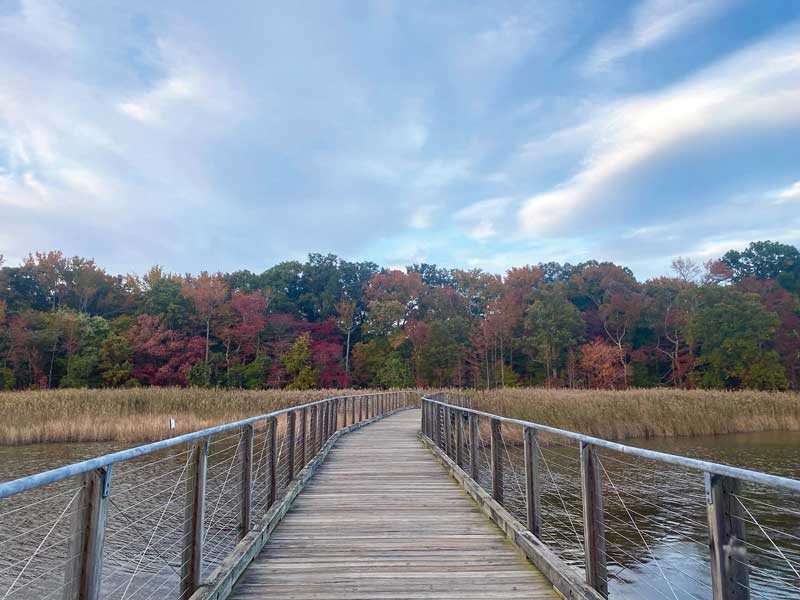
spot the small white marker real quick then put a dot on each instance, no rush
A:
(171, 423)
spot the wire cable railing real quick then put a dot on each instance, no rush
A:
(158, 520)
(632, 522)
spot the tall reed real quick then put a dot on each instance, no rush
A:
(638, 413)
(134, 415)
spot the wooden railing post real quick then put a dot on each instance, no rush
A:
(353, 411)
(459, 438)
(448, 432)
(247, 478)
(593, 528)
(272, 430)
(303, 426)
(437, 428)
(726, 539)
(194, 515)
(321, 426)
(474, 442)
(84, 570)
(360, 409)
(533, 500)
(313, 431)
(291, 426)
(497, 460)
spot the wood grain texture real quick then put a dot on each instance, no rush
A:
(382, 520)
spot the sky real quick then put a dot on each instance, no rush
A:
(221, 136)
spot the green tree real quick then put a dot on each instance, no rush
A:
(554, 326)
(766, 260)
(298, 364)
(734, 334)
(116, 360)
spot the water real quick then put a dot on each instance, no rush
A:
(655, 516)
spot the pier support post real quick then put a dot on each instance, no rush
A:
(272, 431)
(192, 569)
(497, 460)
(593, 528)
(291, 427)
(726, 539)
(533, 501)
(474, 459)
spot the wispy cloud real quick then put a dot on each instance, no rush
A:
(757, 88)
(653, 22)
(789, 194)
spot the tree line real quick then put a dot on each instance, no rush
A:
(327, 322)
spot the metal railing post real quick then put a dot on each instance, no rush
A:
(247, 478)
(497, 460)
(291, 427)
(194, 515)
(726, 539)
(533, 500)
(272, 430)
(594, 539)
(84, 570)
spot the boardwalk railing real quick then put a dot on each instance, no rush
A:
(174, 518)
(629, 522)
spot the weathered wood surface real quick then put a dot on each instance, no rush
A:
(382, 520)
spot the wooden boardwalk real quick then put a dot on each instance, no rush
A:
(382, 520)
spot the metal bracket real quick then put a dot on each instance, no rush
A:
(105, 474)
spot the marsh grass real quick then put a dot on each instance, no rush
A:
(134, 415)
(643, 413)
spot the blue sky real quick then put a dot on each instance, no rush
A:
(480, 135)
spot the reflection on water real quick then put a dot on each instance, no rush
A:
(655, 515)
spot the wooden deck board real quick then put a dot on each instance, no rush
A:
(382, 520)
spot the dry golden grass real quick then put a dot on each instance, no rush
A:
(641, 413)
(134, 415)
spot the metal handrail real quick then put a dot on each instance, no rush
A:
(758, 477)
(23, 484)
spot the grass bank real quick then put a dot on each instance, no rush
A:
(134, 415)
(639, 413)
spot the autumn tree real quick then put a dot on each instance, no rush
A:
(206, 293)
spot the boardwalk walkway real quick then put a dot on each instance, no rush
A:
(382, 520)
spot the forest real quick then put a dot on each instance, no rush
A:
(731, 323)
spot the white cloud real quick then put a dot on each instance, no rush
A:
(484, 220)
(422, 217)
(756, 88)
(789, 194)
(653, 22)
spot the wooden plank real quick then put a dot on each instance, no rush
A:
(219, 584)
(726, 527)
(361, 530)
(594, 537)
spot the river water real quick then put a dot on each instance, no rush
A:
(655, 517)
